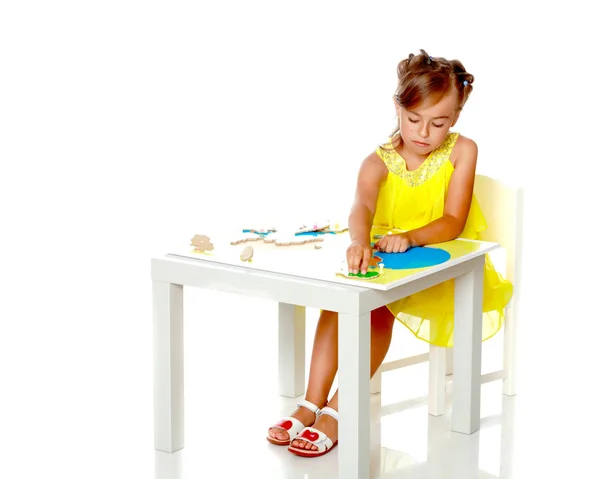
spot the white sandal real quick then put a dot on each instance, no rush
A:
(315, 437)
(292, 425)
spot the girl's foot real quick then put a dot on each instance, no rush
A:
(306, 414)
(326, 424)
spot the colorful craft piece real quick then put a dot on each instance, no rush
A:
(416, 257)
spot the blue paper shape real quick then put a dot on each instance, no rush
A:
(314, 233)
(416, 257)
(259, 233)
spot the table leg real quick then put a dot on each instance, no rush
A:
(464, 451)
(466, 388)
(354, 362)
(438, 445)
(292, 334)
(437, 380)
(507, 437)
(168, 366)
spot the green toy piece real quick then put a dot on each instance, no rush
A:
(369, 275)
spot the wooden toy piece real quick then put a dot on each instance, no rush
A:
(343, 271)
(246, 237)
(201, 243)
(297, 240)
(314, 227)
(247, 253)
(359, 275)
(270, 238)
(260, 231)
(374, 260)
(381, 265)
(337, 228)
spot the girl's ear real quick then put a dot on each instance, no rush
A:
(455, 118)
(396, 106)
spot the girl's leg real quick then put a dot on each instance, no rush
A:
(382, 323)
(323, 367)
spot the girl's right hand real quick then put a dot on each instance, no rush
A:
(358, 256)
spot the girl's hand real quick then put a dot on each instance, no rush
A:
(358, 256)
(398, 243)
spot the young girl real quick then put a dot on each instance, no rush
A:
(420, 182)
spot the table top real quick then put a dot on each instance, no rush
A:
(324, 264)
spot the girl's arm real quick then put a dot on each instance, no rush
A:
(458, 201)
(456, 208)
(370, 177)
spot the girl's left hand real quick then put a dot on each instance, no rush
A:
(398, 243)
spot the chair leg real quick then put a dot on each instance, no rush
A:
(509, 386)
(449, 361)
(437, 380)
(375, 386)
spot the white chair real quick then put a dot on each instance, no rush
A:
(502, 206)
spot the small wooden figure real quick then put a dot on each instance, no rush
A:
(296, 240)
(246, 237)
(201, 243)
(359, 275)
(260, 231)
(337, 228)
(343, 271)
(247, 253)
(374, 261)
(314, 227)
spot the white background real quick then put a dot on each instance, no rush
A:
(127, 126)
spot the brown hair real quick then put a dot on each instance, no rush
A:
(420, 76)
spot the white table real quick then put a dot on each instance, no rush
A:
(353, 300)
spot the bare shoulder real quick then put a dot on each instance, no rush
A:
(373, 168)
(464, 152)
(371, 176)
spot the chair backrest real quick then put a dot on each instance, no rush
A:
(502, 206)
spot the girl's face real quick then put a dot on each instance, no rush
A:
(425, 127)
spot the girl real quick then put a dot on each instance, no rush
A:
(421, 182)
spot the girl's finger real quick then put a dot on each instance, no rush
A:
(366, 259)
(356, 261)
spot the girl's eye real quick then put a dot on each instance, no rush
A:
(437, 126)
(413, 121)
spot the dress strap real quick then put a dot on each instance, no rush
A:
(397, 165)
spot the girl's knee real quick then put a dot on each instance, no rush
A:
(382, 317)
(328, 314)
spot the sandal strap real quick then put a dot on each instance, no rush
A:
(290, 424)
(310, 406)
(316, 438)
(330, 412)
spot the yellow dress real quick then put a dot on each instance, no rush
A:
(411, 199)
